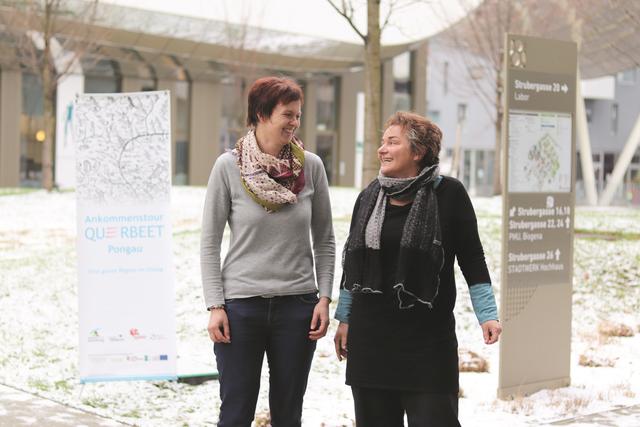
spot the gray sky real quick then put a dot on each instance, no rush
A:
(412, 20)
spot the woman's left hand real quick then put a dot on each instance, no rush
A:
(320, 319)
(491, 330)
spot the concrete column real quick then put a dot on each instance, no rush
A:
(10, 110)
(621, 165)
(309, 112)
(387, 91)
(204, 146)
(419, 80)
(169, 85)
(586, 160)
(350, 83)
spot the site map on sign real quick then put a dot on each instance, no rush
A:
(539, 152)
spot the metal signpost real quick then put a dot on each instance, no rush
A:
(538, 214)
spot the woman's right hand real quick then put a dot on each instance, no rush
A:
(340, 340)
(219, 326)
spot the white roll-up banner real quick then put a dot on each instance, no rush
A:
(125, 265)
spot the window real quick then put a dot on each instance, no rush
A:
(628, 77)
(102, 76)
(466, 169)
(614, 118)
(401, 65)
(609, 162)
(31, 131)
(182, 91)
(588, 108)
(325, 149)
(489, 174)
(462, 112)
(326, 106)
(233, 113)
(326, 125)
(480, 169)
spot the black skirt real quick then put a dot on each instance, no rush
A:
(399, 349)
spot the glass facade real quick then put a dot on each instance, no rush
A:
(402, 100)
(477, 171)
(326, 126)
(232, 123)
(102, 76)
(31, 131)
(182, 95)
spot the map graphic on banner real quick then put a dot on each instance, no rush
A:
(542, 142)
(125, 265)
(122, 153)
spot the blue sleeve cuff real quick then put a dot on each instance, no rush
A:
(483, 301)
(344, 306)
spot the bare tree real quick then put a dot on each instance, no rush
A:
(478, 39)
(244, 36)
(49, 37)
(372, 77)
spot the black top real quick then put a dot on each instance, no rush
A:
(416, 348)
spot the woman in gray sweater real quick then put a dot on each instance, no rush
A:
(264, 298)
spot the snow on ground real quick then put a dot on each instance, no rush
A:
(39, 314)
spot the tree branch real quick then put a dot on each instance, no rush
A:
(347, 13)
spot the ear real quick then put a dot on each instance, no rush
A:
(422, 152)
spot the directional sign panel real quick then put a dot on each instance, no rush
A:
(538, 209)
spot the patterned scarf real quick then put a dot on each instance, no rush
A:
(421, 254)
(270, 181)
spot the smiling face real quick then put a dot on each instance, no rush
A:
(284, 120)
(397, 159)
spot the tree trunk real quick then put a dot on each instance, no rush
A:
(373, 84)
(49, 129)
(48, 93)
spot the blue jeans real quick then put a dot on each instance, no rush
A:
(279, 327)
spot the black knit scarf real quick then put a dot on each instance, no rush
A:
(421, 254)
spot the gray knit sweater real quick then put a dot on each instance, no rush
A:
(269, 253)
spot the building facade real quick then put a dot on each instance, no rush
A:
(207, 74)
(462, 104)
(611, 117)
(460, 91)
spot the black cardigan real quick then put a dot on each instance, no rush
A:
(416, 349)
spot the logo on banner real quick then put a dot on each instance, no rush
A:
(94, 336)
(135, 334)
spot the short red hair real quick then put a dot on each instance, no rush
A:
(266, 93)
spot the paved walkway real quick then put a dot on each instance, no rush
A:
(628, 416)
(19, 408)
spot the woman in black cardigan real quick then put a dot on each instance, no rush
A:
(398, 289)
